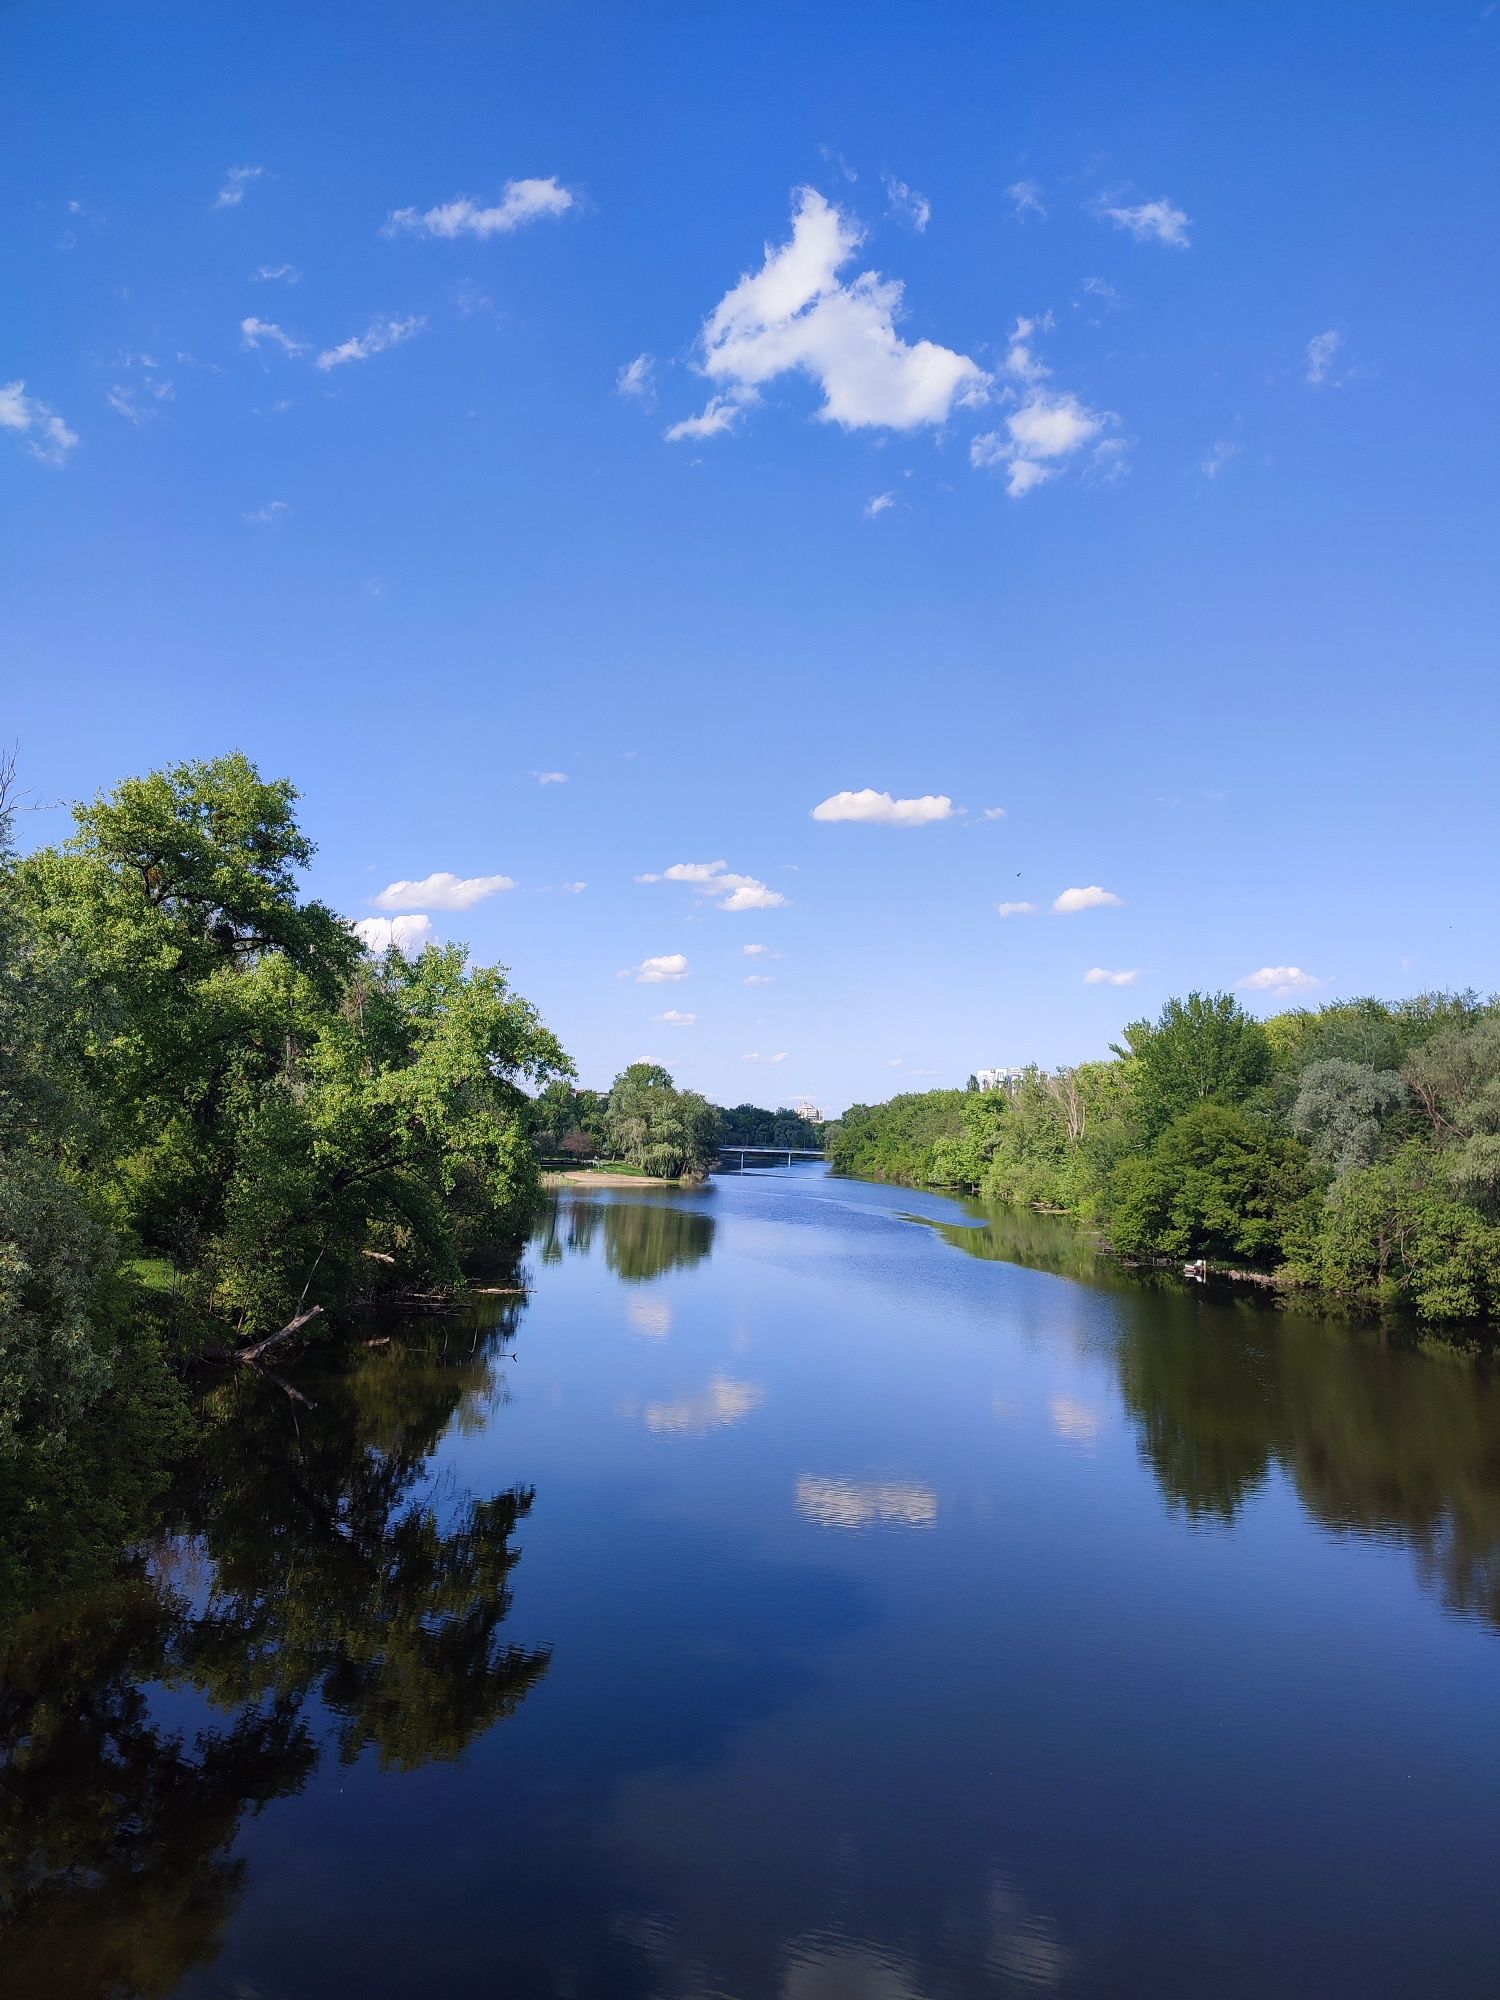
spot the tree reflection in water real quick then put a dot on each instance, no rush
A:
(644, 1236)
(1376, 1438)
(314, 1572)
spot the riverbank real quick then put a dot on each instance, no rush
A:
(613, 1178)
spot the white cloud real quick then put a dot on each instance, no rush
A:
(520, 202)
(1092, 898)
(906, 204)
(279, 274)
(1098, 976)
(993, 812)
(661, 971)
(1027, 197)
(761, 979)
(1320, 352)
(376, 338)
(1278, 979)
(1045, 427)
(880, 809)
(408, 934)
(674, 1018)
(878, 503)
(253, 331)
(550, 777)
(714, 878)
(757, 951)
(1016, 909)
(756, 1056)
(1152, 222)
(444, 891)
(574, 888)
(796, 315)
(271, 515)
(1101, 289)
(47, 436)
(236, 180)
(637, 378)
(1218, 458)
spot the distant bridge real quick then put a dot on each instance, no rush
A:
(770, 1155)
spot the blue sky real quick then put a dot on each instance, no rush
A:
(1103, 432)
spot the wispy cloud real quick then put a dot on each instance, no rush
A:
(993, 812)
(279, 274)
(1071, 901)
(756, 1056)
(1045, 427)
(232, 189)
(1027, 197)
(1098, 975)
(44, 432)
(1218, 457)
(638, 378)
(408, 934)
(1016, 909)
(662, 971)
(1321, 350)
(1160, 221)
(878, 503)
(797, 315)
(880, 809)
(906, 205)
(520, 202)
(728, 890)
(675, 1018)
(271, 515)
(760, 979)
(1279, 979)
(444, 891)
(254, 333)
(376, 338)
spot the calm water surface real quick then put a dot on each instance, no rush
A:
(813, 1589)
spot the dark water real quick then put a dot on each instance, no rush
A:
(785, 1602)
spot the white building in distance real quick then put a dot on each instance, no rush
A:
(998, 1079)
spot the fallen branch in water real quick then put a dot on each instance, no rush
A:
(251, 1355)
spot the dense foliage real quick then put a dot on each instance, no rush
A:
(752, 1125)
(1353, 1148)
(215, 1107)
(655, 1126)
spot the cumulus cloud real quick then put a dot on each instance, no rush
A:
(520, 202)
(1016, 909)
(1093, 898)
(662, 971)
(1027, 197)
(1320, 352)
(1278, 979)
(1151, 222)
(637, 378)
(236, 180)
(675, 1018)
(46, 436)
(880, 809)
(255, 332)
(444, 891)
(993, 812)
(906, 205)
(1045, 426)
(409, 935)
(877, 504)
(758, 951)
(1097, 975)
(716, 879)
(756, 1056)
(761, 979)
(797, 315)
(376, 338)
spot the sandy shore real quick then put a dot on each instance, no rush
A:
(582, 1177)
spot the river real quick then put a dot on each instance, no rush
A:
(812, 1589)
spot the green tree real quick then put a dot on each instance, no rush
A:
(1216, 1184)
(1340, 1110)
(659, 1128)
(1202, 1050)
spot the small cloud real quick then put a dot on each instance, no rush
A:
(756, 1056)
(1278, 979)
(761, 979)
(573, 888)
(236, 180)
(1320, 352)
(271, 515)
(906, 205)
(1218, 458)
(1151, 222)
(520, 202)
(376, 338)
(1093, 898)
(1098, 976)
(675, 1018)
(409, 935)
(550, 777)
(662, 971)
(878, 503)
(714, 878)
(279, 274)
(1106, 296)
(880, 809)
(993, 812)
(896, 1062)
(1016, 909)
(443, 891)
(47, 437)
(638, 378)
(721, 414)
(1027, 197)
(756, 950)
(253, 332)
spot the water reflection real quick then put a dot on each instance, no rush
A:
(314, 1593)
(723, 1402)
(862, 1503)
(644, 1236)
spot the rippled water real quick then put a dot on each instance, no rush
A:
(812, 1589)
